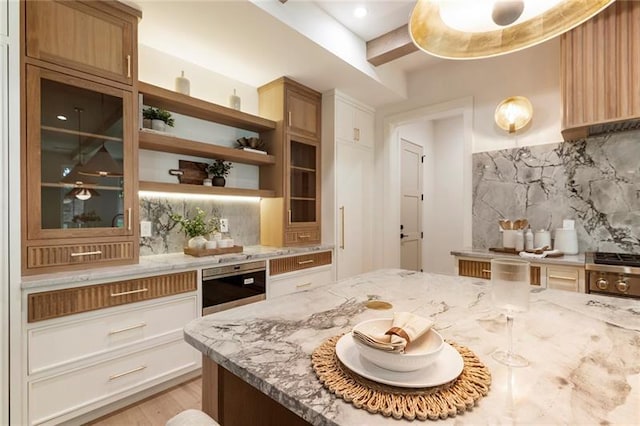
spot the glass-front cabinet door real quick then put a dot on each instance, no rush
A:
(303, 182)
(79, 149)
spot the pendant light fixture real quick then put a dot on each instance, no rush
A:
(102, 165)
(514, 113)
(471, 29)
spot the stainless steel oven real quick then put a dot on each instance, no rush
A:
(228, 286)
(613, 274)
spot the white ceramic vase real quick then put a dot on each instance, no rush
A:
(158, 125)
(198, 242)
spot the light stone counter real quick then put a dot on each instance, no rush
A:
(157, 264)
(566, 260)
(584, 349)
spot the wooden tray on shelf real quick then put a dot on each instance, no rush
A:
(212, 252)
(514, 251)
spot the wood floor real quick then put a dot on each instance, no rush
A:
(157, 409)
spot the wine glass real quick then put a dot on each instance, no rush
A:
(510, 294)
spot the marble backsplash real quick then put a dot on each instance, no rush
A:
(166, 237)
(596, 182)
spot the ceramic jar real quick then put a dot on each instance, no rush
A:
(198, 242)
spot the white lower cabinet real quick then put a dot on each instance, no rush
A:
(79, 363)
(299, 281)
(565, 278)
(51, 398)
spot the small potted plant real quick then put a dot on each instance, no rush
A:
(196, 229)
(158, 118)
(217, 171)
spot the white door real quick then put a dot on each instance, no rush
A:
(354, 173)
(410, 231)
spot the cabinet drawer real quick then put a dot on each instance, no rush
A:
(309, 236)
(563, 278)
(296, 263)
(77, 254)
(298, 282)
(479, 269)
(71, 341)
(55, 396)
(58, 303)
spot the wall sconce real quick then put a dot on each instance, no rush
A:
(470, 29)
(513, 113)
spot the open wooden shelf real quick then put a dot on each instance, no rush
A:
(204, 190)
(158, 142)
(186, 105)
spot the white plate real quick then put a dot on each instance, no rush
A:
(447, 367)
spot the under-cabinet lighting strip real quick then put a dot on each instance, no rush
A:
(184, 196)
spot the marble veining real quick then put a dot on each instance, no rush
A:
(584, 349)
(244, 221)
(594, 181)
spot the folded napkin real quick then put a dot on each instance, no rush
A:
(538, 256)
(405, 328)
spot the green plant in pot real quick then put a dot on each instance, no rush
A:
(196, 228)
(218, 171)
(158, 118)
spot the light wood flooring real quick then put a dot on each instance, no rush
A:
(157, 409)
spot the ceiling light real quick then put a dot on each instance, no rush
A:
(101, 164)
(61, 117)
(470, 29)
(513, 113)
(360, 12)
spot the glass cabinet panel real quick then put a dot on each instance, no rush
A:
(79, 147)
(303, 182)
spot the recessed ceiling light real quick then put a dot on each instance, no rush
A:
(360, 12)
(61, 118)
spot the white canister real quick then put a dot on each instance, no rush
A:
(182, 84)
(566, 241)
(509, 238)
(519, 243)
(542, 238)
(211, 244)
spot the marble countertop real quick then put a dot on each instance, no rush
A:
(566, 260)
(584, 350)
(157, 264)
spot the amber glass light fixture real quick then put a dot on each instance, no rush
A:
(471, 29)
(101, 164)
(513, 113)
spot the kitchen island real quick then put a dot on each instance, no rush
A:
(584, 351)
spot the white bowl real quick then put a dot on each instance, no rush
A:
(419, 354)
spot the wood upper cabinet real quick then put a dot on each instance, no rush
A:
(600, 69)
(79, 174)
(96, 37)
(293, 217)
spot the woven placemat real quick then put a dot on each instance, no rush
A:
(432, 403)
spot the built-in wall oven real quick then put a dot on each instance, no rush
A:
(613, 274)
(228, 286)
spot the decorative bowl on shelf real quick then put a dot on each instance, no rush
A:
(253, 143)
(419, 354)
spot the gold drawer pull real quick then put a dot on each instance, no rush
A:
(124, 293)
(135, 370)
(129, 66)
(305, 262)
(304, 236)
(303, 285)
(133, 327)
(560, 277)
(486, 271)
(86, 253)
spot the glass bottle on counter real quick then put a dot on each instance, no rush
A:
(528, 239)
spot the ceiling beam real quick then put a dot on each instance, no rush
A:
(390, 46)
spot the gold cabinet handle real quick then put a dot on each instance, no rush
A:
(124, 293)
(129, 66)
(289, 216)
(304, 236)
(486, 271)
(86, 253)
(303, 285)
(135, 370)
(342, 227)
(132, 327)
(305, 262)
(129, 219)
(289, 118)
(560, 277)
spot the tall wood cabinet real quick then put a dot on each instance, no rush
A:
(79, 174)
(600, 65)
(293, 216)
